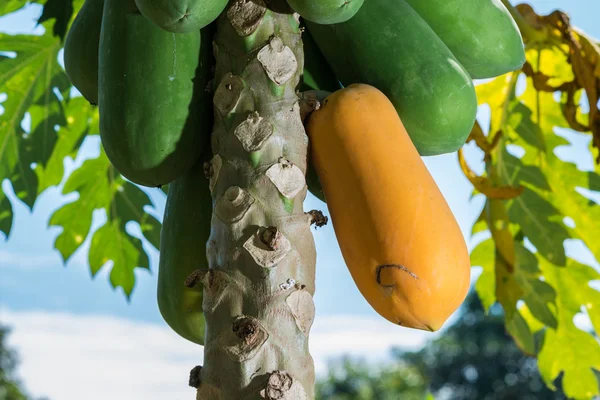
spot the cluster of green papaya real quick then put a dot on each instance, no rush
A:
(148, 65)
(423, 54)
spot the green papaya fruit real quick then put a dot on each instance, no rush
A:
(181, 16)
(481, 33)
(317, 73)
(155, 112)
(184, 233)
(389, 46)
(81, 49)
(317, 76)
(326, 11)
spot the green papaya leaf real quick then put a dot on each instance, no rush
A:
(100, 187)
(517, 172)
(31, 80)
(81, 120)
(534, 214)
(59, 10)
(92, 184)
(8, 6)
(6, 214)
(517, 327)
(520, 121)
(483, 256)
(567, 348)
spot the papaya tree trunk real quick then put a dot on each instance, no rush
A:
(258, 300)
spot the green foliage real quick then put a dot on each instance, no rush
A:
(100, 187)
(9, 6)
(525, 266)
(34, 83)
(61, 11)
(32, 154)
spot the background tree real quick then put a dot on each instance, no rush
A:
(535, 199)
(10, 387)
(474, 359)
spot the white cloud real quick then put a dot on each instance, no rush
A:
(69, 357)
(11, 259)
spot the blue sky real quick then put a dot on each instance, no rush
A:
(53, 307)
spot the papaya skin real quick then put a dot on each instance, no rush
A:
(481, 34)
(155, 112)
(81, 49)
(397, 234)
(184, 233)
(181, 16)
(317, 74)
(326, 11)
(389, 46)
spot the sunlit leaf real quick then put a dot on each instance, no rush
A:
(534, 214)
(30, 80)
(568, 349)
(101, 188)
(517, 327)
(81, 120)
(8, 6)
(483, 256)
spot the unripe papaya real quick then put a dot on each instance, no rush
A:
(397, 235)
(155, 112)
(181, 16)
(326, 11)
(388, 45)
(317, 73)
(81, 49)
(317, 76)
(184, 233)
(481, 33)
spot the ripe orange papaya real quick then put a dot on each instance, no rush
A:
(397, 234)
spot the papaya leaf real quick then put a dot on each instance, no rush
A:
(112, 243)
(534, 324)
(81, 121)
(31, 81)
(534, 214)
(151, 227)
(59, 10)
(8, 6)
(6, 214)
(553, 62)
(520, 121)
(91, 182)
(538, 295)
(480, 224)
(568, 349)
(517, 172)
(526, 260)
(483, 256)
(544, 290)
(100, 187)
(517, 328)
(494, 94)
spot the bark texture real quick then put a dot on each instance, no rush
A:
(258, 299)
